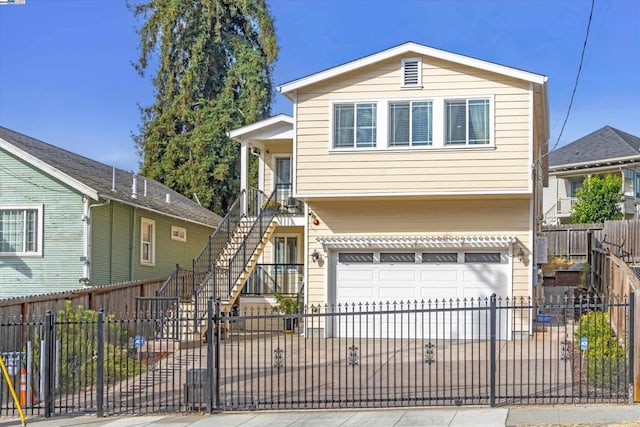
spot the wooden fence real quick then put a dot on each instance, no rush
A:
(612, 277)
(570, 241)
(117, 299)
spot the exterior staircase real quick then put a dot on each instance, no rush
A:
(225, 263)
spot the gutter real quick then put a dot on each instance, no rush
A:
(86, 251)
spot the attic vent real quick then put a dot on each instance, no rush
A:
(411, 76)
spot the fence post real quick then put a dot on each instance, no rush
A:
(48, 347)
(100, 365)
(210, 336)
(634, 350)
(218, 327)
(492, 351)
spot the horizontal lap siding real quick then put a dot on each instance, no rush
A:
(59, 268)
(417, 217)
(503, 168)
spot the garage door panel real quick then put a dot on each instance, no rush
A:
(397, 293)
(438, 293)
(444, 275)
(346, 294)
(398, 275)
(355, 275)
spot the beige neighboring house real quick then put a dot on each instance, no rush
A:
(410, 174)
(605, 151)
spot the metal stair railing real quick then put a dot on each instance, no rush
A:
(238, 262)
(208, 276)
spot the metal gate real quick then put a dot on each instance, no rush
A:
(550, 351)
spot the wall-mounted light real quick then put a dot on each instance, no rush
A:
(315, 255)
(520, 254)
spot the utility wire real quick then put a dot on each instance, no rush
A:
(575, 86)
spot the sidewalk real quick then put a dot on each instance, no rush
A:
(565, 415)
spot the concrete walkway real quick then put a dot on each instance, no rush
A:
(566, 415)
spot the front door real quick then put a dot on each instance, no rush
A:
(283, 179)
(286, 258)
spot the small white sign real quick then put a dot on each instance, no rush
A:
(584, 343)
(12, 2)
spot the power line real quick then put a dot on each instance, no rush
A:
(575, 86)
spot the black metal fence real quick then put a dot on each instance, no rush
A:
(487, 351)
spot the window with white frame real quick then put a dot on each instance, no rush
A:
(178, 233)
(467, 122)
(638, 184)
(410, 123)
(21, 230)
(147, 241)
(354, 125)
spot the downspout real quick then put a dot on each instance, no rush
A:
(87, 247)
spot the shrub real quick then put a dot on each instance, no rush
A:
(77, 343)
(605, 357)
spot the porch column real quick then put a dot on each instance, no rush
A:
(244, 172)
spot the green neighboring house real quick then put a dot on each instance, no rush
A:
(67, 221)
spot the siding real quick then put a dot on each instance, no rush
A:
(503, 168)
(116, 244)
(418, 217)
(59, 268)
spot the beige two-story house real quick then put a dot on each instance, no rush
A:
(410, 174)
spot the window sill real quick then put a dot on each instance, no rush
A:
(20, 255)
(419, 148)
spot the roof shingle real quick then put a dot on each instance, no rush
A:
(604, 144)
(99, 176)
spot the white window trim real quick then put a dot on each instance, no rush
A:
(492, 108)
(146, 221)
(175, 229)
(332, 105)
(387, 140)
(438, 126)
(415, 86)
(39, 241)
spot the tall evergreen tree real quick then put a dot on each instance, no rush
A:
(214, 65)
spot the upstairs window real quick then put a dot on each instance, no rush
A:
(410, 123)
(354, 125)
(411, 72)
(575, 184)
(20, 231)
(467, 122)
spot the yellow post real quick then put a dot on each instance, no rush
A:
(13, 390)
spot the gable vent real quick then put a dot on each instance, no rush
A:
(411, 72)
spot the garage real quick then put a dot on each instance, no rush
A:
(444, 278)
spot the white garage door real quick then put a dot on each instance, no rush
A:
(455, 279)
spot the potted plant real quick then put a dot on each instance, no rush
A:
(271, 206)
(289, 307)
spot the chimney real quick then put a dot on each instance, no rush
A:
(145, 187)
(113, 179)
(167, 198)
(134, 187)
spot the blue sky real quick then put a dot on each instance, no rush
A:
(66, 75)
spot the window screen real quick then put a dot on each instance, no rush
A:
(482, 257)
(440, 257)
(405, 257)
(355, 257)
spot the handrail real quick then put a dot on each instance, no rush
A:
(252, 239)
(267, 279)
